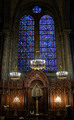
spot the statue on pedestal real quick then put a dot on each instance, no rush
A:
(36, 93)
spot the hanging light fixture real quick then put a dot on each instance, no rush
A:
(15, 75)
(37, 63)
(61, 74)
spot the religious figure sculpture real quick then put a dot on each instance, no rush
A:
(36, 91)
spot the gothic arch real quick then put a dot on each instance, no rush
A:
(23, 8)
(36, 75)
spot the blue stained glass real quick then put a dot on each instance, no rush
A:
(45, 50)
(47, 42)
(26, 38)
(46, 32)
(36, 9)
(26, 27)
(47, 27)
(26, 32)
(26, 43)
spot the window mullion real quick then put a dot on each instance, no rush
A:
(37, 42)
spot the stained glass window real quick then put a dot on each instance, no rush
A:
(26, 43)
(47, 42)
(36, 9)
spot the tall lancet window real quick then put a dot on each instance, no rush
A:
(47, 42)
(26, 42)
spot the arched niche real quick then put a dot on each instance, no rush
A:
(36, 75)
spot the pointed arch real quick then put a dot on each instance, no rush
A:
(26, 42)
(37, 75)
(47, 42)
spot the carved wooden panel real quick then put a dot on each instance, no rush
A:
(61, 88)
(43, 101)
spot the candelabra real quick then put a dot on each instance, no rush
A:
(16, 102)
(58, 103)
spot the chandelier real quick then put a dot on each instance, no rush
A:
(37, 63)
(15, 75)
(62, 74)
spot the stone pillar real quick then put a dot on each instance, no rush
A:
(68, 61)
(1, 50)
(59, 50)
(62, 51)
(6, 55)
(37, 43)
(6, 38)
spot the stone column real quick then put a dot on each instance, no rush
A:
(6, 38)
(1, 51)
(37, 42)
(59, 50)
(68, 61)
(6, 55)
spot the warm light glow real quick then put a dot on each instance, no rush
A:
(58, 100)
(62, 74)
(37, 64)
(16, 100)
(15, 75)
